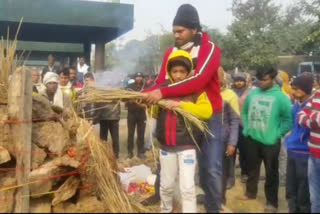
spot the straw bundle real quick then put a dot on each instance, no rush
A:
(101, 95)
(104, 168)
(8, 63)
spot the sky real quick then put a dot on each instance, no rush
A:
(151, 16)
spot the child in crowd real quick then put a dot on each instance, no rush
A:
(297, 188)
(241, 88)
(310, 117)
(65, 85)
(76, 79)
(231, 121)
(178, 149)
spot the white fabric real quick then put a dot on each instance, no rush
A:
(173, 164)
(152, 132)
(50, 77)
(50, 68)
(40, 87)
(187, 46)
(58, 98)
(83, 69)
(66, 89)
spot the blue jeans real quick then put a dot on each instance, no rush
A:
(210, 165)
(314, 183)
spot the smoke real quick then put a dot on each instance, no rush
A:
(110, 79)
(135, 56)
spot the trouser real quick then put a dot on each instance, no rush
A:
(136, 120)
(228, 174)
(283, 163)
(242, 153)
(113, 127)
(152, 133)
(314, 183)
(297, 187)
(210, 165)
(270, 156)
(174, 164)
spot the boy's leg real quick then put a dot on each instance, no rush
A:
(114, 130)
(168, 174)
(271, 163)
(314, 183)
(187, 167)
(291, 185)
(211, 165)
(303, 196)
(254, 163)
(141, 132)
(104, 130)
(131, 130)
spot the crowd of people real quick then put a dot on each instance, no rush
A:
(267, 118)
(62, 86)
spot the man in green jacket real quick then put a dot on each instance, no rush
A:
(266, 117)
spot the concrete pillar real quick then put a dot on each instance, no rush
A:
(100, 56)
(87, 52)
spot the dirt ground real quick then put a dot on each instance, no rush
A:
(233, 205)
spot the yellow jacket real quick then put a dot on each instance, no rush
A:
(201, 108)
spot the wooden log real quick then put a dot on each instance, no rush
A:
(66, 191)
(41, 205)
(52, 168)
(7, 202)
(20, 109)
(4, 155)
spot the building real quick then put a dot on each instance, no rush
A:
(66, 28)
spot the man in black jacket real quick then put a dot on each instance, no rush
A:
(51, 67)
(136, 118)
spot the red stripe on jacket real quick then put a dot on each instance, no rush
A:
(167, 127)
(174, 120)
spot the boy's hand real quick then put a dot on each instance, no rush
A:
(154, 96)
(171, 104)
(230, 150)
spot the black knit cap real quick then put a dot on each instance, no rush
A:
(304, 83)
(139, 74)
(187, 16)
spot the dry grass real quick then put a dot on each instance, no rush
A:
(8, 63)
(101, 95)
(104, 167)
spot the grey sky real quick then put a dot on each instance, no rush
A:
(150, 15)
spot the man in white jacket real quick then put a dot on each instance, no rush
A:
(82, 66)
